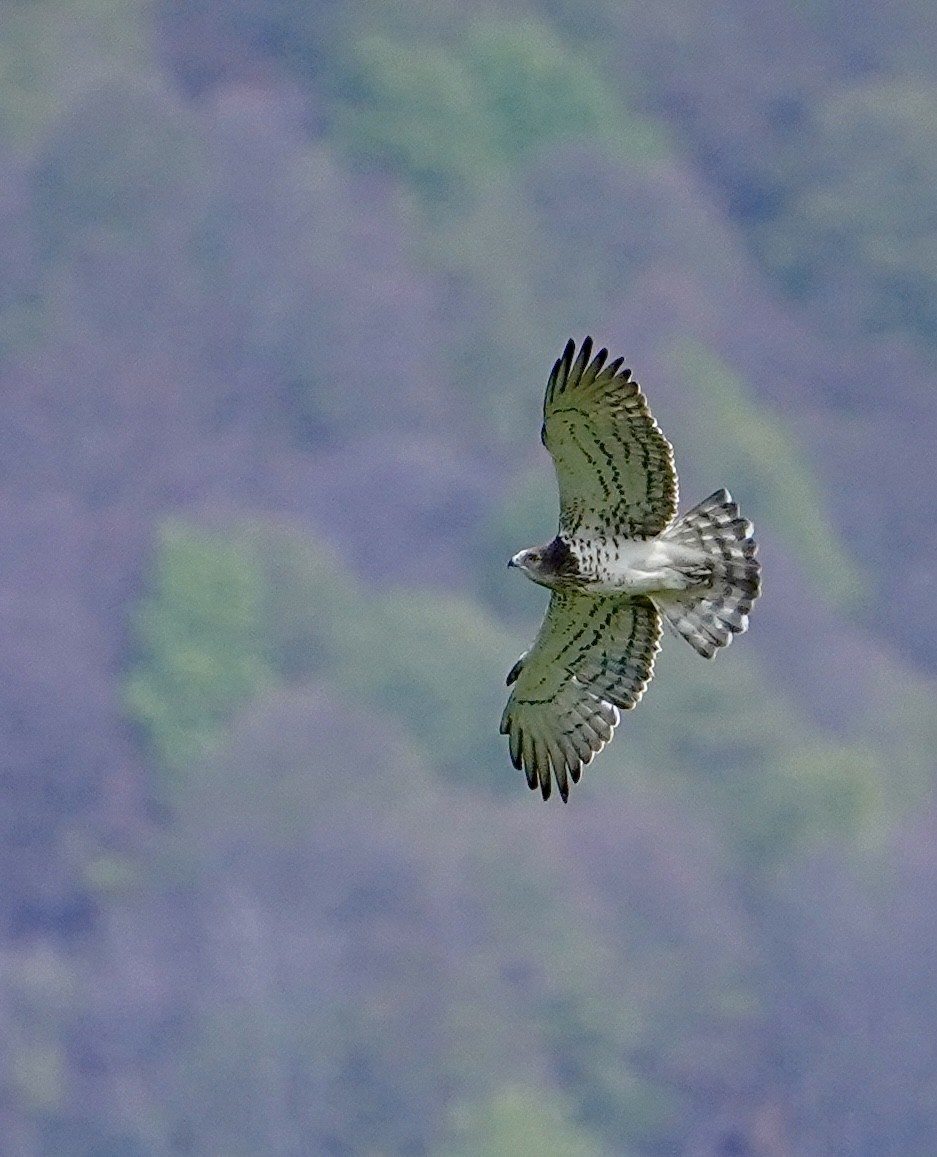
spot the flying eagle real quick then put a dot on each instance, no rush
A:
(621, 562)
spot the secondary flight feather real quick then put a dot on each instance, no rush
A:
(620, 564)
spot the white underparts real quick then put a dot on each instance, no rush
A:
(641, 566)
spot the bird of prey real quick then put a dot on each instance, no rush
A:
(620, 564)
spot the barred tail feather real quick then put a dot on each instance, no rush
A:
(708, 614)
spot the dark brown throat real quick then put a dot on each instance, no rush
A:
(560, 561)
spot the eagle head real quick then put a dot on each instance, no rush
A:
(552, 565)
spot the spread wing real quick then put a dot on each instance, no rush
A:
(592, 657)
(613, 465)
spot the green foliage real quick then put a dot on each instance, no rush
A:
(735, 439)
(200, 648)
(587, 999)
(29, 52)
(230, 614)
(595, 1033)
(860, 206)
(110, 875)
(343, 931)
(874, 200)
(540, 90)
(38, 1074)
(125, 165)
(414, 109)
(339, 869)
(450, 116)
(311, 603)
(459, 117)
(41, 73)
(775, 785)
(519, 1121)
(41, 987)
(433, 661)
(485, 252)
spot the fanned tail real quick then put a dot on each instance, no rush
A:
(707, 615)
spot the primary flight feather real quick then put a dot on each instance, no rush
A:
(619, 565)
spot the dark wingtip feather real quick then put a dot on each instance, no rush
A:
(559, 770)
(559, 376)
(566, 362)
(585, 353)
(514, 746)
(598, 362)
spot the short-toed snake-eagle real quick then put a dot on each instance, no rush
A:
(620, 564)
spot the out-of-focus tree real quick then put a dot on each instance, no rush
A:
(448, 118)
(53, 53)
(308, 1008)
(403, 107)
(21, 314)
(846, 977)
(125, 166)
(231, 611)
(359, 872)
(890, 39)
(200, 649)
(529, 1122)
(733, 437)
(861, 231)
(58, 743)
(431, 661)
(210, 42)
(542, 90)
(724, 721)
(314, 302)
(434, 661)
(309, 271)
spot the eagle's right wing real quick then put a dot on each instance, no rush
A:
(592, 657)
(614, 467)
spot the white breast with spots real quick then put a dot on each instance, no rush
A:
(639, 566)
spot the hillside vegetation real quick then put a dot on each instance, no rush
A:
(280, 285)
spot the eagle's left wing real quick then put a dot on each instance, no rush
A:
(614, 467)
(592, 657)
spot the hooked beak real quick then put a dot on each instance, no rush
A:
(513, 561)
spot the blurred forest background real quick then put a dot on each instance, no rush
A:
(280, 284)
